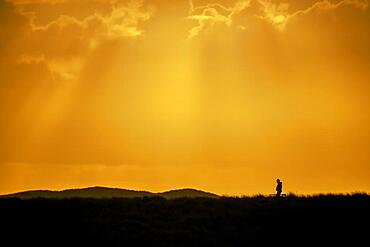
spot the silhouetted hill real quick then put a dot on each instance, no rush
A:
(186, 193)
(103, 192)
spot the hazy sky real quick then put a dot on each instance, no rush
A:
(224, 96)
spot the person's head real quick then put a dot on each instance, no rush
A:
(278, 180)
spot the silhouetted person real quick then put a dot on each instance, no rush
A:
(279, 187)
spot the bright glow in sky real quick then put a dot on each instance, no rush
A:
(224, 96)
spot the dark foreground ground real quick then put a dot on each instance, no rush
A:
(291, 221)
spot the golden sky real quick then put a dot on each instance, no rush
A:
(224, 96)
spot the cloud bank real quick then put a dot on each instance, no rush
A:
(277, 14)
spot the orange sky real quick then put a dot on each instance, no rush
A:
(223, 96)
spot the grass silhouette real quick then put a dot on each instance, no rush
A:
(321, 220)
